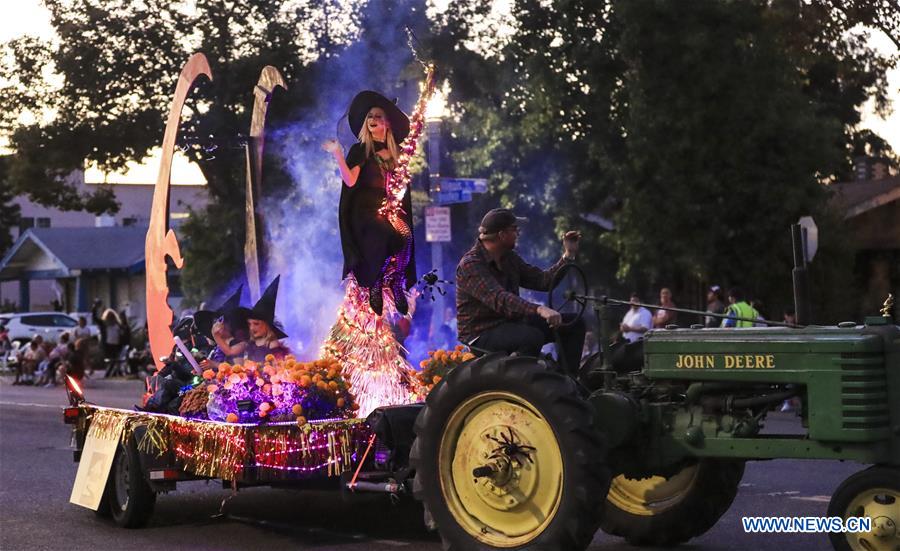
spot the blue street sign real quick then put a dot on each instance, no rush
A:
(471, 185)
(449, 197)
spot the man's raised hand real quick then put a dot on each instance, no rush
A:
(570, 243)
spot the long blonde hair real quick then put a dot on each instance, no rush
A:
(365, 138)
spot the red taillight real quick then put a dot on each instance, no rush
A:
(70, 415)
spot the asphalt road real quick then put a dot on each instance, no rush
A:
(37, 471)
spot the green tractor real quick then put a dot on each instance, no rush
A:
(649, 442)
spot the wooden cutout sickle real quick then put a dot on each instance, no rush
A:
(161, 240)
(254, 251)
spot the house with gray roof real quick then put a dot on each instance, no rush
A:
(85, 264)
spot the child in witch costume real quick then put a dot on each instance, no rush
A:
(378, 249)
(227, 327)
(265, 332)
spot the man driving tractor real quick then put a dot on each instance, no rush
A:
(491, 315)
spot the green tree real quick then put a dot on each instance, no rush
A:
(705, 128)
(118, 62)
(535, 112)
(9, 213)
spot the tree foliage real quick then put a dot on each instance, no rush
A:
(118, 63)
(9, 212)
(700, 129)
(704, 129)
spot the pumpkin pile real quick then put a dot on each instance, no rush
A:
(439, 363)
(278, 390)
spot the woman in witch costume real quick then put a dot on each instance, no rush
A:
(378, 250)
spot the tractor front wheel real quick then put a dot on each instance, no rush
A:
(872, 493)
(507, 457)
(668, 511)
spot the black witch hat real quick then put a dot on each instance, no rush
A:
(235, 315)
(366, 100)
(264, 309)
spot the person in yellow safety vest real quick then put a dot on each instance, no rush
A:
(738, 308)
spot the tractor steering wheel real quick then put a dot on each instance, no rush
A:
(568, 285)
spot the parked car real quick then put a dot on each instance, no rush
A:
(24, 326)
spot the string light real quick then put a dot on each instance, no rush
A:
(228, 450)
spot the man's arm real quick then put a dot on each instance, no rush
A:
(540, 280)
(475, 279)
(535, 278)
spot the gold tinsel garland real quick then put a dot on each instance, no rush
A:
(231, 451)
(373, 361)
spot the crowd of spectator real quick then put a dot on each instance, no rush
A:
(77, 353)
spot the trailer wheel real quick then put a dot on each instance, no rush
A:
(507, 457)
(128, 495)
(668, 511)
(104, 510)
(872, 493)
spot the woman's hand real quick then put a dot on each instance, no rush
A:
(332, 146)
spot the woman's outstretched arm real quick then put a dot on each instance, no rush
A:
(349, 175)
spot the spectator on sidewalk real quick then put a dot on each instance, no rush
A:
(110, 325)
(29, 360)
(738, 308)
(714, 305)
(637, 321)
(5, 346)
(55, 358)
(81, 331)
(76, 361)
(664, 317)
(760, 308)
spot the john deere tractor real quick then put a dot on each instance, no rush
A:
(649, 441)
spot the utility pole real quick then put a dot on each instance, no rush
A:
(433, 157)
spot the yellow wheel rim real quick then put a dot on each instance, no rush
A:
(883, 507)
(651, 496)
(514, 505)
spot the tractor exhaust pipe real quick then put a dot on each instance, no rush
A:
(800, 275)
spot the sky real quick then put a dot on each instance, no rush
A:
(30, 17)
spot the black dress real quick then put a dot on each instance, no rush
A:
(368, 240)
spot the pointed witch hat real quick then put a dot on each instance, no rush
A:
(235, 315)
(264, 309)
(366, 100)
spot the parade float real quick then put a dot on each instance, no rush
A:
(280, 420)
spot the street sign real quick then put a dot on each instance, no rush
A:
(450, 197)
(471, 185)
(812, 237)
(437, 224)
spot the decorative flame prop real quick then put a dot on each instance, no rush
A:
(254, 251)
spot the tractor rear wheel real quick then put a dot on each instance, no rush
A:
(668, 511)
(507, 457)
(872, 493)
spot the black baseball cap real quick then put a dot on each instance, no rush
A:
(498, 220)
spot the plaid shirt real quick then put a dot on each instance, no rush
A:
(488, 295)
